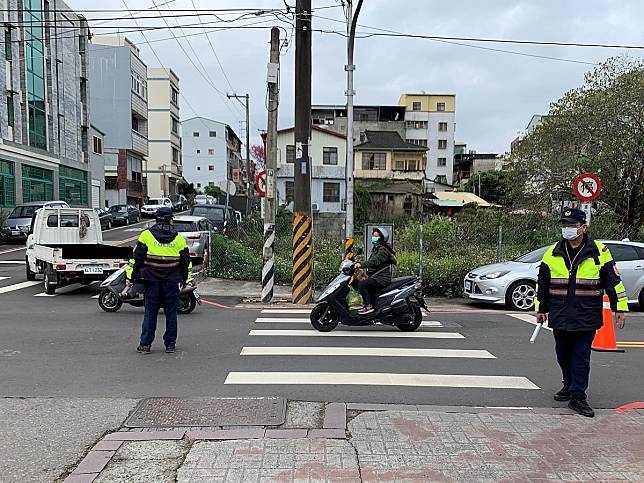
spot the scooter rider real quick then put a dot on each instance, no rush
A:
(161, 262)
(377, 267)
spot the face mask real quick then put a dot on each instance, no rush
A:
(569, 232)
(375, 239)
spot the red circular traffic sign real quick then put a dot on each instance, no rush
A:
(587, 186)
(260, 183)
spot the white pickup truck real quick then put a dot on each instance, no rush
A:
(66, 245)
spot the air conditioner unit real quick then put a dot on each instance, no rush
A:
(315, 207)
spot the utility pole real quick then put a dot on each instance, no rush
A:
(249, 183)
(352, 21)
(268, 271)
(302, 288)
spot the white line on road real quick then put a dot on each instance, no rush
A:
(12, 250)
(380, 379)
(4, 278)
(17, 286)
(65, 289)
(96, 296)
(12, 262)
(356, 333)
(530, 319)
(286, 311)
(365, 351)
(295, 320)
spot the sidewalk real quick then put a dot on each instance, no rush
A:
(340, 442)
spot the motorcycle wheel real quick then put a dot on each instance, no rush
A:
(324, 318)
(414, 324)
(109, 301)
(186, 305)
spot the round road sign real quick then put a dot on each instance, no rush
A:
(260, 183)
(587, 186)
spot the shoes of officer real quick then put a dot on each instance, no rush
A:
(146, 349)
(563, 395)
(582, 407)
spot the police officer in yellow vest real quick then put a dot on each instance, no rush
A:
(573, 276)
(161, 263)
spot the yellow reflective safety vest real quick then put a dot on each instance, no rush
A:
(161, 254)
(571, 289)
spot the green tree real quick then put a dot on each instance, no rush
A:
(496, 186)
(186, 189)
(214, 191)
(598, 127)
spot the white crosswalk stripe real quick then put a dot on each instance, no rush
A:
(302, 320)
(5, 278)
(365, 351)
(17, 286)
(389, 334)
(65, 289)
(286, 311)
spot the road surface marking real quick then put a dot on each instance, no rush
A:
(65, 289)
(12, 250)
(12, 262)
(295, 320)
(630, 344)
(530, 319)
(380, 379)
(356, 333)
(127, 240)
(18, 286)
(4, 278)
(286, 311)
(365, 351)
(96, 296)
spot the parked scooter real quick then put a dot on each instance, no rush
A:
(399, 304)
(112, 299)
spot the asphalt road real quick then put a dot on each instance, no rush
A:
(65, 346)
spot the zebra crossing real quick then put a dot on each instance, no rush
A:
(275, 341)
(7, 286)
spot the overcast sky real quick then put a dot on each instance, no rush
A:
(496, 93)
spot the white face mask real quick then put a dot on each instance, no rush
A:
(569, 232)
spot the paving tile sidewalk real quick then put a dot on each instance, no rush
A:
(436, 444)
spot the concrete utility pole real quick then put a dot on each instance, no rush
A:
(352, 21)
(302, 289)
(249, 182)
(268, 272)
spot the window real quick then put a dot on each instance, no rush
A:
(412, 165)
(7, 44)
(73, 188)
(441, 178)
(211, 152)
(211, 183)
(290, 190)
(175, 96)
(195, 134)
(175, 125)
(331, 192)
(198, 185)
(442, 126)
(442, 144)
(37, 184)
(374, 160)
(623, 253)
(213, 134)
(198, 168)
(198, 151)
(418, 142)
(416, 124)
(406, 165)
(330, 156)
(175, 155)
(135, 123)
(290, 153)
(35, 75)
(440, 106)
(211, 167)
(10, 110)
(442, 162)
(7, 184)
(415, 106)
(98, 145)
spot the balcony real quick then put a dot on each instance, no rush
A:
(134, 187)
(139, 143)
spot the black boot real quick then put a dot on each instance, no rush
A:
(563, 395)
(170, 349)
(582, 407)
(143, 349)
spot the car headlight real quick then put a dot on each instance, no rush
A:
(493, 275)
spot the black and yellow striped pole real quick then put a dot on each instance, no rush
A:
(348, 249)
(302, 259)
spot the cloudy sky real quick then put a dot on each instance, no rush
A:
(497, 92)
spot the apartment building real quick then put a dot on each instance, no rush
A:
(119, 100)
(211, 153)
(430, 121)
(44, 152)
(164, 168)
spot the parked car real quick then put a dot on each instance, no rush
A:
(211, 199)
(105, 218)
(124, 214)
(513, 283)
(179, 202)
(195, 230)
(153, 204)
(17, 225)
(201, 200)
(215, 216)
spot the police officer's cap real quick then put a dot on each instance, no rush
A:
(573, 215)
(164, 214)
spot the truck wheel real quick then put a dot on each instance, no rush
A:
(50, 279)
(186, 304)
(31, 276)
(109, 301)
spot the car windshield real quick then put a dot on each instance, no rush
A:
(212, 213)
(154, 201)
(24, 211)
(183, 226)
(533, 256)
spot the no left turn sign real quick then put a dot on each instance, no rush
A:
(587, 186)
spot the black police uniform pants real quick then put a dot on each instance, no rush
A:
(157, 295)
(367, 288)
(573, 354)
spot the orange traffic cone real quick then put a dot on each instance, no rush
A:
(605, 340)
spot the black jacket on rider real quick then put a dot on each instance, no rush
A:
(377, 265)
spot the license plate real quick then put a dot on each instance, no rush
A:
(93, 270)
(468, 286)
(197, 296)
(15, 232)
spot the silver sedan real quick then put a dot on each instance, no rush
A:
(195, 230)
(513, 283)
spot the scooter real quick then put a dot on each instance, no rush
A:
(399, 304)
(111, 298)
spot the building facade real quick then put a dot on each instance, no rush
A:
(97, 164)
(164, 168)
(430, 121)
(119, 100)
(44, 152)
(372, 118)
(211, 153)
